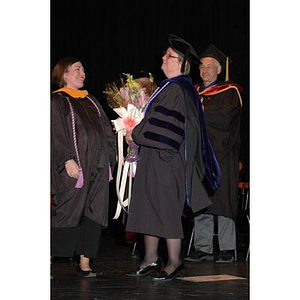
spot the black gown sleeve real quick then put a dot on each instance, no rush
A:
(163, 126)
(61, 139)
(61, 148)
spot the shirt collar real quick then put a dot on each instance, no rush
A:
(203, 87)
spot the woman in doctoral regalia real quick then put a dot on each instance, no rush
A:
(170, 170)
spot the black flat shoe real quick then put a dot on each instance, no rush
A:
(164, 276)
(86, 274)
(152, 267)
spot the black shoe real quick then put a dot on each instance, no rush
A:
(225, 257)
(152, 267)
(86, 274)
(199, 256)
(164, 276)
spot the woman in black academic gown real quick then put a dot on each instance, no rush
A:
(169, 137)
(83, 150)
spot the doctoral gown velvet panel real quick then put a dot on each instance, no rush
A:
(222, 116)
(97, 149)
(159, 192)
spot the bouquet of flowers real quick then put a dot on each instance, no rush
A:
(131, 92)
(129, 102)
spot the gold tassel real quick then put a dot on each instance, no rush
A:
(227, 69)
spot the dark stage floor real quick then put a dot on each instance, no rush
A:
(112, 283)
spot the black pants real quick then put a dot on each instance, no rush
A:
(84, 239)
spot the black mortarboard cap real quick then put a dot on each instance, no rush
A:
(223, 59)
(184, 49)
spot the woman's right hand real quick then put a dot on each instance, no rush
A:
(128, 136)
(72, 168)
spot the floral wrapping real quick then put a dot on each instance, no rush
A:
(129, 102)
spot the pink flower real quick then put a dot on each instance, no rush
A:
(125, 94)
(129, 123)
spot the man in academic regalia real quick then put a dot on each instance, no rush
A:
(221, 102)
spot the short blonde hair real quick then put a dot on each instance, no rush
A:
(187, 66)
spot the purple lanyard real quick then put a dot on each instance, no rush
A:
(80, 180)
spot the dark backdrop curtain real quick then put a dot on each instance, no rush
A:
(125, 36)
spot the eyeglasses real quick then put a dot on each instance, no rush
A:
(169, 55)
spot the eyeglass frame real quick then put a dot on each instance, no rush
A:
(169, 55)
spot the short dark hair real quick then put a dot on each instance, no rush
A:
(60, 69)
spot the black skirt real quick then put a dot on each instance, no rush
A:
(83, 239)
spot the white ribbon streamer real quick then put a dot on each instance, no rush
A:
(125, 169)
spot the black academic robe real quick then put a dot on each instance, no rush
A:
(161, 181)
(97, 150)
(222, 113)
